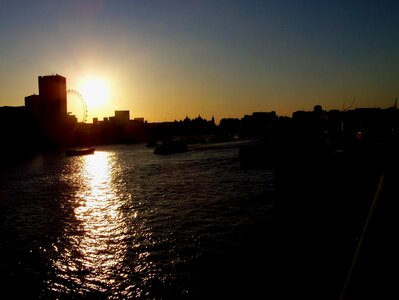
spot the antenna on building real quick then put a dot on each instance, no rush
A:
(353, 101)
(396, 102)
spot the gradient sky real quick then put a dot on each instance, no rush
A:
(164, 60)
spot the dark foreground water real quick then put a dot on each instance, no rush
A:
(125, 223)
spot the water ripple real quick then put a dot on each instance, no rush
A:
(124, 223)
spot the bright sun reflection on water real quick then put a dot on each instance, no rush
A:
(98, 244)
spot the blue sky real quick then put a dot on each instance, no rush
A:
(168, 59)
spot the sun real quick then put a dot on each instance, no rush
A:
(95, 91)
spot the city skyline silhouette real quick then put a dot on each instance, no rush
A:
(228, 59)
(199, 149)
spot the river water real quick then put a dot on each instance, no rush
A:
(125, 223)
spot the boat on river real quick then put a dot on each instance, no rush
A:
(79, 151)
(170, 147)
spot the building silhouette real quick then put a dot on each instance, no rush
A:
(48, 111)
(122, 116)
(51, 103)
(44, 124)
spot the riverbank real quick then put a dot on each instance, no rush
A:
(323, 204)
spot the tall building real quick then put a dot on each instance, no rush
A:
(53, 96)
(48, 111)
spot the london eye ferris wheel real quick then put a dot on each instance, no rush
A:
(77, 104)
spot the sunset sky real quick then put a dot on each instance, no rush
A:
(163, 60)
